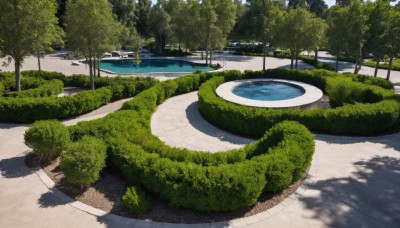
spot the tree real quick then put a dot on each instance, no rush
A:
(300, 30)
(26, 27)
(356, 28)
(159, 25)
(125, 11)
(91, 30)
(393, 38)
(318, 7)
(294, 4)
(378, 24)
(216, 21)
(143, 13)
(184, 25)
(265, 16)
(337, 41)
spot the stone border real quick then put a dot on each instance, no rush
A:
(239, 222)
(312, 95)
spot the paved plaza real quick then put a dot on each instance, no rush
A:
(352, 182)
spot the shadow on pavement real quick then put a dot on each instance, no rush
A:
(49, 199)
(15, 167)
(368, 198)
(390, 141)
(201, 124)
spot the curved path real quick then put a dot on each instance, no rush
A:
(355, 180)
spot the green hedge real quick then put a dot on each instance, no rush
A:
(219, 187)
(1, 89)
(190, 179)
(379, 112)
(50, 88)
(395, 64)
(40, 102)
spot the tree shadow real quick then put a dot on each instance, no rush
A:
(15, 167)
(390, 141)
(197, 121)
(52, 199)
(7, 126)
(368, 198)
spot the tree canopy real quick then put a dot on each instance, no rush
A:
(91, 30)
(27, 26)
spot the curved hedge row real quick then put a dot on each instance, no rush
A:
(360, 108)
(38, 102)
(190, 179)
(50, 88)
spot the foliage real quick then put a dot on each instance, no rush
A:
(27, 27)
(48, 89)
(385, 65)
(358, 118)
(136, 200)
(83, 160)
(47, 138)
(35, 104)
(91, 30)
(300, 30)
(190, 179)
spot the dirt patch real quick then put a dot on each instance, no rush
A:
(106, 195)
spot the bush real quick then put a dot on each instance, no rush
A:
(47, 138)
(367, 110)
(50, 88)
(83, 160)
(136, 200)
(1, 89)
(40, 103)
(191, 179)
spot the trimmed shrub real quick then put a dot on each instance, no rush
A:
(218, 187)
(191, 179)
(1, 89)
(83, 160)
(24, 107)
(366, 112)
(50, 88)
(136, 200)
(47, 138)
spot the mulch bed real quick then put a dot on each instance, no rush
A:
(106, 195)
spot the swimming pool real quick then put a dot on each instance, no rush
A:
(127, 66)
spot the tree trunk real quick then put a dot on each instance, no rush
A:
(356, 67)
(160, 43)
(98, 68)
(291, 59)
(337, 64)
(91, 73)
(94, 67)
(17, 64)
(264, 54)
(202, 56)
(316, 58)
(297, 58)
(38, 59)
(210, 57)
(207, 56)
(376, 68)
(389, 68)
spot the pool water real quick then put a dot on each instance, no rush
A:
(268, 91)
(127, 66)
